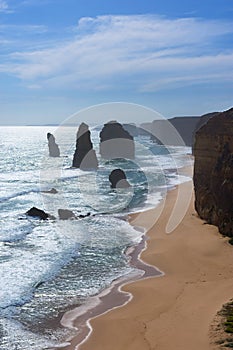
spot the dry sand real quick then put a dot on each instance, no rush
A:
(172, 312)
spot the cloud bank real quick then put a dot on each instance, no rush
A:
(145, 53)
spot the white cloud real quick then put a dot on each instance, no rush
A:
(22, 29)
(144, 52)
(4, 6)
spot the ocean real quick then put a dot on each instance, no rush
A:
(48, 267)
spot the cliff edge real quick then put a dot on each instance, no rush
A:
(213, 172)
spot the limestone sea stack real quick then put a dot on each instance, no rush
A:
(116, 142)
(118, 179)
(84, 156)
(213, 171)
(54, 150)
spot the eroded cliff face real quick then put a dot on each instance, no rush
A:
(213, 171)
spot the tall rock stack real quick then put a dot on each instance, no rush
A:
(84, 156)
(213, 172)
(53, 147)
(116, 142)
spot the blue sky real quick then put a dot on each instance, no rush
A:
(57, 57)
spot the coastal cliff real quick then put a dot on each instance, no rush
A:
(213, 171)
(161, 132)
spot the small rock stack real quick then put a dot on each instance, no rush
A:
(53, 147)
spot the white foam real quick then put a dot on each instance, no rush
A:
(36, 251)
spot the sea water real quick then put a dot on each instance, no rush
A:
(47, 267)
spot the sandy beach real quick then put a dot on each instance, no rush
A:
(173, 311)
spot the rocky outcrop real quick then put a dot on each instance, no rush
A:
(213, 171)
(118, 179)
(116, 142)
(65, 214)
(38, 213)
(52, 191)
(54, 150)
(84, 156)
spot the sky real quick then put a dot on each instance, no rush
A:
(58, 57)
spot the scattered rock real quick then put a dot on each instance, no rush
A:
(65, 214)
(81, 216)
(53, 147)
(38, 213)
(118, 179)
(116, 142)
(84, 156)
(52, 191)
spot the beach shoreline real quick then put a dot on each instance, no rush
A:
(197, 265)
(78, 318)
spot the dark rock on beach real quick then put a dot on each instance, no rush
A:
(118, 179)
(54, 150)
(213, 171)
(38, 213)
(116, 142)
(84, 156)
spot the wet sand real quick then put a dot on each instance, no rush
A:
(173, 311)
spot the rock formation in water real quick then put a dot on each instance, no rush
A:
(38, 213)
(213, 171)
(118, 179)
(52, 191)
(116, 142)
(65, 214)
(53, 147)
(84, 156)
